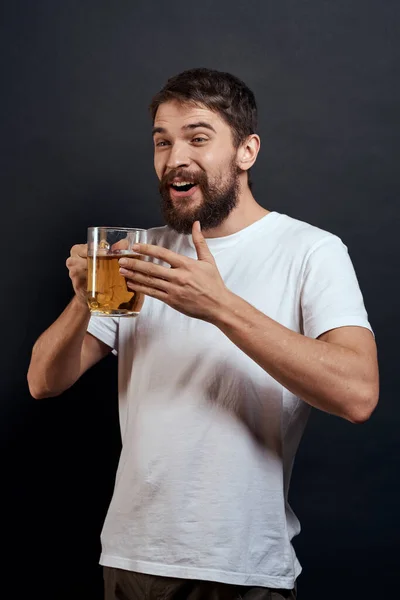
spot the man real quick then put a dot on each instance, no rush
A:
(250, 318)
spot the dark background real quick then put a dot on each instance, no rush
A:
(77, 77)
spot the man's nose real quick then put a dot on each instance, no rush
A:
(178, 157)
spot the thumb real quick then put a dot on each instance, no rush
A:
(203, 251)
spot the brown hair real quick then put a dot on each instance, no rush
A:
(220, 92)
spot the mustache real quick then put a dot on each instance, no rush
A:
(184, 174)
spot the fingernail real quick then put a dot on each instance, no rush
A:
(123, 261)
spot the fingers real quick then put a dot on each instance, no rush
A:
(77, 277)
(76, 262)
(148, 268)
(149, 291)
(172, 258)
(203, 251)
(153, 276)
(121, 245)
(77, 271)
(79, 250)
(135, 279)
(77, 267)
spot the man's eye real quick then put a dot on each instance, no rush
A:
(161, 143)
(199, 140)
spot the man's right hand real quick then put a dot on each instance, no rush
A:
(66, 349)
(77, 267)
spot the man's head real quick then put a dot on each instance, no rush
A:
(204, 125)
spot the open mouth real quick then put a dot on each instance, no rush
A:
(183, 189)
(183, 186)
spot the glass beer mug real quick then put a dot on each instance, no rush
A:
(107, 292)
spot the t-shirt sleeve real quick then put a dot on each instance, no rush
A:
(330, 293)
(106, 330)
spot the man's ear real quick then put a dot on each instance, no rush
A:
(248, 152)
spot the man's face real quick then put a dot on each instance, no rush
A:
(195, 161)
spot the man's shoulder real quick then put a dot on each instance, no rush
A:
(303, 236)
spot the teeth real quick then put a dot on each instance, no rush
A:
(182, 183)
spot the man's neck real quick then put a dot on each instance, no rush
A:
(247, 212)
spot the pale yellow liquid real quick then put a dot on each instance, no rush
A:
(107, 291)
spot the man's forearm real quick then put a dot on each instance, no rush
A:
(327, 376)
(56, 355)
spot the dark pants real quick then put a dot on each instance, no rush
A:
(126, 585)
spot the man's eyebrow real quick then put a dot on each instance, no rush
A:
(190, 126)
(202, 124)
(158, 130)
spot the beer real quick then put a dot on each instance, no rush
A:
(107, 291)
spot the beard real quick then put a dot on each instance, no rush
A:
(218, 200)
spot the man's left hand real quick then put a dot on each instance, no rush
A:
(193, 287)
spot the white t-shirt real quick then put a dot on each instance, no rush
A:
(208, 437)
